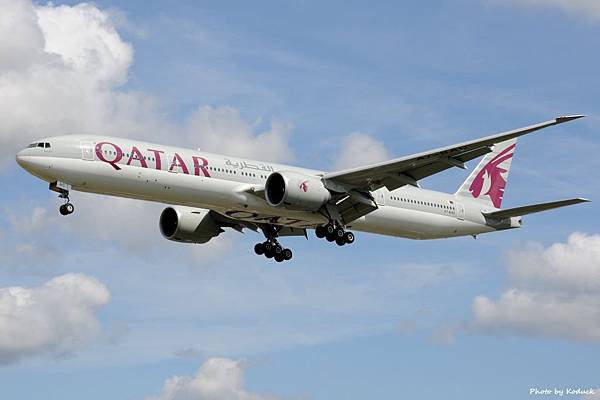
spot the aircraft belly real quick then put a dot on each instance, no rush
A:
(413, 224)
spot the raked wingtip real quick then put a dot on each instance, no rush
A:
(567, 118)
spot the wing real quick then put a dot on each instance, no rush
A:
(410, 169)
(354, 185)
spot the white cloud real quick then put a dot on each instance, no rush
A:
(56, 318)
(555, 293)
(99, 222)
(217, 379)
(222, 129)
(571, 267)
(588, 9)
(360, 149)
(64, 75)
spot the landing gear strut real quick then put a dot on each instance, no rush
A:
(334, 233)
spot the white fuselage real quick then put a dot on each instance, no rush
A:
(178, 176)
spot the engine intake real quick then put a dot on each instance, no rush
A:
(188, 225)
(296, 191)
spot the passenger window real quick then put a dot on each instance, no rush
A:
(40, 145)
(47, 145)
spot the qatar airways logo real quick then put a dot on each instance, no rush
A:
(304, 186)
(490, 180)
(112, 154)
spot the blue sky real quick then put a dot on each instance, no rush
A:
(384, 318)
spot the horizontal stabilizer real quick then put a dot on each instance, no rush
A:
(534, 208)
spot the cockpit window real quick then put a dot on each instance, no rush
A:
(43, 145)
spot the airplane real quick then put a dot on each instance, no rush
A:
(208, 192)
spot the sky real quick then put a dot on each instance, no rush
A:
(98, 305)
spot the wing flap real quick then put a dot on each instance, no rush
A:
(534, 208)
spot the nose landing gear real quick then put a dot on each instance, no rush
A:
(63, 192)
(333, 233)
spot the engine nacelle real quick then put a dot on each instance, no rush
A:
(296, 191)
(188, 225)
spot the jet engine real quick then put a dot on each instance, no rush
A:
(188, 225)
(296, 191)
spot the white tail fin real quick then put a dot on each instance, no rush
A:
(488, 181)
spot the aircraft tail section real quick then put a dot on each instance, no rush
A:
(534, 208)
(488, 181)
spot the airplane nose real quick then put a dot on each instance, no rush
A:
(20, 159)
(25, 161)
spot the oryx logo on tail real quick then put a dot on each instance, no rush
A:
(488, 180)
(491, 179)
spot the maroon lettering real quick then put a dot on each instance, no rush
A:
(200, 164)
(178, 162)
(117, 150)
(267, 218)
(136, 155)
(157, 159)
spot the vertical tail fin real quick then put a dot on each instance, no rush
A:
(488, 181)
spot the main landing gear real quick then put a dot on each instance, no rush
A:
(335, 234)
(272, 249)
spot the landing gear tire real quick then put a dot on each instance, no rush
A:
(320, 231)
(271, 248)
(70, 208)
(349, 237)
(334, 233)
(329, 229)
(66, 209)
(278, 249)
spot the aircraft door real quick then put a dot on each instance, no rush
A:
(380, 197)
(460, 211)
(87, 151)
